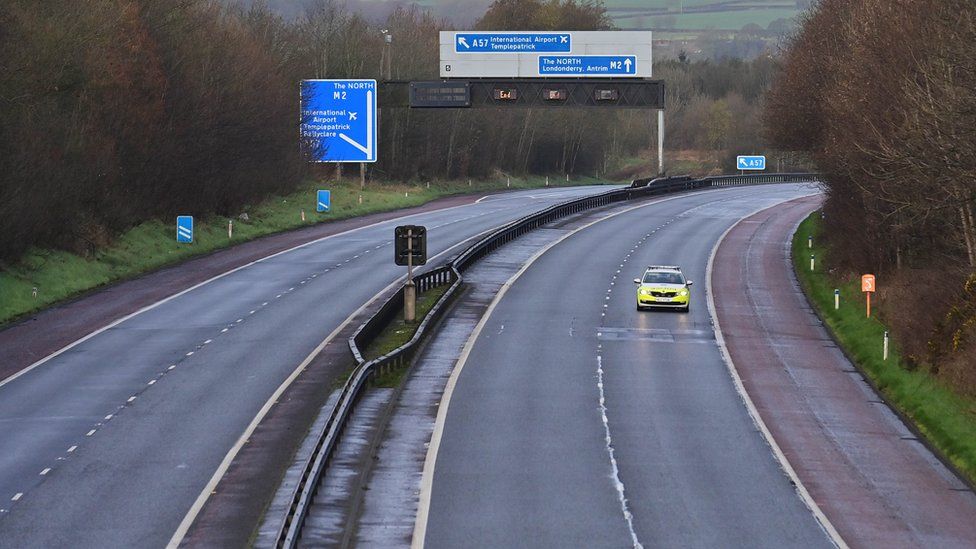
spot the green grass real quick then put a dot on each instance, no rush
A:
(945, 418)
(398, 333)
(60, 275)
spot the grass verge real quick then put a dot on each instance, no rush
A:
(59, 275)
(945, 418)
(398, 333)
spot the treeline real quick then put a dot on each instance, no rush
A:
(116, 111)
(882, 93)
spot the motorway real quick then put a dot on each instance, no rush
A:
(577, 421)
(109, 443)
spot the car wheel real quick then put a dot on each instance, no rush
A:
(686, 309)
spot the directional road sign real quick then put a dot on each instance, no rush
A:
(184, 228)
(339, 120)
(323, 201)
(753, 163)
(535, 54)
(512, 42)
(585, 65)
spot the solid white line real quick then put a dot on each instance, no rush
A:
(784, 463)
(430, 462)
(211, 486)
(152, 306)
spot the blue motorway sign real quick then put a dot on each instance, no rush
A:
(511, 42)
(557, 65)
(184, 228)
(339, 120)
(757, 163)
(323, 201)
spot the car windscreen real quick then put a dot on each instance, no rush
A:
(663, 278)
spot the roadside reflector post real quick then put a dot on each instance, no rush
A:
(810, 241)
(428, 184)
(836, 299)
(813, 261)
(885, 355)
(547, 181)
(303, 215)
(230, 228)
(509, 182)
(34, 292)
(360, 198)
(868, 286)
(567, 178)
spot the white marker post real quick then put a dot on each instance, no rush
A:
(836, 299)
(230, 228)
(813, 261)
(885, 355)
(810, 241)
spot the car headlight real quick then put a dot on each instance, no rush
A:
(645, 291)
(683, 293)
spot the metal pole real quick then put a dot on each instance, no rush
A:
(660, 142)
(410, 290)
(362, 175)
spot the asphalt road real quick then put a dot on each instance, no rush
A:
(109, 443)
(578, 421)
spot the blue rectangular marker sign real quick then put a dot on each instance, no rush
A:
(184, 229)
(557, 65)
(757, 163)
(495, 42)
(339, 120)
(323, 201)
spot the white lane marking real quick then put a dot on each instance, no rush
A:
(430, 462)
(224, 330)
(131, 399)
(207, 342)
(90, 433)
(108, 417)
(617, 483)
(152, 306)
(239, 320)
(292, 289)
(171, 367)
(211, 486)
(189, 353)
(265, 304)
(17, 496)
(152, 382)
(72, 449)
(45, 471)
(740, 388)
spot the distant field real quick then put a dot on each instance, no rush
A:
(699, 14)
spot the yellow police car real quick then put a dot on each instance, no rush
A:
(663, 286)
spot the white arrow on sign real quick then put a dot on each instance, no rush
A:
(628, 63)
(464, 42)
(368, 148)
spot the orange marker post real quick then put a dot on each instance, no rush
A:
(868, 286)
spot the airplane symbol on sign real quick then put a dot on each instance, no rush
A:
(564, 39)
(352, 115)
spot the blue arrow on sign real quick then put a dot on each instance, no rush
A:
(755, 163)
(184, 229)
(587, 64)
(339, 120)
(323, 202)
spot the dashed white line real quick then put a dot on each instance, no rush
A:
(108, 417)
(131, 399)
(72, 449)
(90, 433)
(189, 353)
(171, 367)
(239, 320)
(292, 289)
(224, 330)
(207, 342)
(152, 382)
(17, 496)
(45, 471)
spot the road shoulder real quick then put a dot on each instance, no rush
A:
(877, 484)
